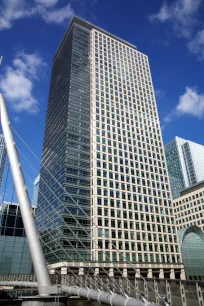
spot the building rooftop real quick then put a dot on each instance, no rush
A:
(90, 26)
(177, 138)
(192, 188)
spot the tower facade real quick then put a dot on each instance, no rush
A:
(103, 143)
(185, 162)
(66, 151)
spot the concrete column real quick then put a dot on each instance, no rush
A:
(124, 272)
(199, 294)
(168, 292)
(182, 275)
(156, 291)
(161, 273)
(183, 294)
(81, 271)
(149, 274)
(63, 270)
(111, 272)
(96, 272)
(137, 274)
(172, 274)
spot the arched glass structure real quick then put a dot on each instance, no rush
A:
(192, 249)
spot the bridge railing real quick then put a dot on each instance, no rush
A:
(177, 293)
(55, 278)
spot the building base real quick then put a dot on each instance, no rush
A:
(51, 300)
(147, 270)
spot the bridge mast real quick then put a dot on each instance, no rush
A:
(35, 247)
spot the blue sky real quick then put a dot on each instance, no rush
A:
(171, 33)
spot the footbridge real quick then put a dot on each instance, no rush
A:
(99, 291)
(109, 284)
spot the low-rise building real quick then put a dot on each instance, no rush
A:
(189, 207)
(189, 213)
(14, 251)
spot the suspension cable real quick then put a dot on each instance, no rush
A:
(60, 260)
(64, 237)
(78, 224)
(127, 261)
(12, 252)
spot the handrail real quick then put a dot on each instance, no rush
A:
(90, 294)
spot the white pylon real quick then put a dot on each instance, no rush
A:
(35, 247)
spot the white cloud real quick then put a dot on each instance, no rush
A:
(18, 90)
(168, 118)
(17, 82)
(163, 15)
(162, 42)
(182, 14)
(190, 103)
(47, 3)
(28, 63)
(159, 93)
(13, 10)
(56, 15)
(196, 45)
(17, 119)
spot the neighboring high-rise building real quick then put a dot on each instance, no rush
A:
(2, 157)
(185, 162)
(103, 144)
(35, 191)
(14, 251)
(189, 214)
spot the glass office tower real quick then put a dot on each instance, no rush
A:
(66, 150)
(35, 191)
(185, 162)
(103, 143)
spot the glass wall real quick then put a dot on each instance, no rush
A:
(192, 249)
(174, 168)
(66, 153)
(14, 252)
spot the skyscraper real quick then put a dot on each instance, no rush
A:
(185, 162)
(103, 144)
(35, 191)
(2, 157)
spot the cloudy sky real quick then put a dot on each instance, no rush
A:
(170, 32)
